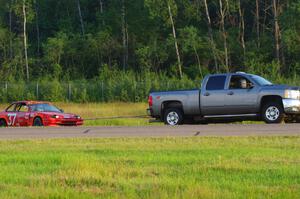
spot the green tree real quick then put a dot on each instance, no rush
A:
(53, 52)
(192, 43)
(167, 11)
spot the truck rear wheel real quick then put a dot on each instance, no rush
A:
(272, 113)
(173, 116)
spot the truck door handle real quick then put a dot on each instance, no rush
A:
(230, 93)
(206, 94)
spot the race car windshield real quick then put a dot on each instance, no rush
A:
(45, 108)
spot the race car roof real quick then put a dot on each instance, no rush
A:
(32, 102)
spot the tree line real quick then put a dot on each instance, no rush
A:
(78, 39)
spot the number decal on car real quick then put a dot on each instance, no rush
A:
(11, 119)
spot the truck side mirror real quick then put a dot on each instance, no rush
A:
(250, 86)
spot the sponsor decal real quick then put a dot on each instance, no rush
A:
(11, 118)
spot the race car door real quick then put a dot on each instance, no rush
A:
(22, 114)
(11, 115)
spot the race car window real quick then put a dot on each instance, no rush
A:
(37, 107)
(22, 108)
(45, 108)
(18, 106)
(11, 108)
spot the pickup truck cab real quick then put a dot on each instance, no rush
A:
(234, 96)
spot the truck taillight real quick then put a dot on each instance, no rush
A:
(150, 100)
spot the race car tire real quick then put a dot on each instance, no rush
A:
(37, 122)
(3, 123)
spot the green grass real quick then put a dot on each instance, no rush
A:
(98, 110)
(195, 167)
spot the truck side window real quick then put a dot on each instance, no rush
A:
(239, 82)
(216, 82)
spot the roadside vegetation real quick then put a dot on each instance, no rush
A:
(110, 86)
(113, 86)
(195, 167)
(107, 51)
(109, 110)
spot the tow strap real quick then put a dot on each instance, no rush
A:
(118, 117)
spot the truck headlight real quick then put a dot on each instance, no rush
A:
(292, 94)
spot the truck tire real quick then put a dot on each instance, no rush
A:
(173, 116)
(272, 113)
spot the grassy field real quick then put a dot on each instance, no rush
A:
(94, 110)
(209, 167)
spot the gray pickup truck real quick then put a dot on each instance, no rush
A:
(234, 96)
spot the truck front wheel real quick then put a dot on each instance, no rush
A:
(272, 112)
(173, 116)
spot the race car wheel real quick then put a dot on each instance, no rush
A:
(37, 122)
(3, 123)
(173, 116)
(272, 113)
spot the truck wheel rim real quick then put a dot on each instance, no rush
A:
(272, 113)
(172, 118)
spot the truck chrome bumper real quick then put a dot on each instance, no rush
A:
(291, 105)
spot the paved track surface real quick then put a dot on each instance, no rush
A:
(152, 131)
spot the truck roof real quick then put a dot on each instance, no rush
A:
(233, 73)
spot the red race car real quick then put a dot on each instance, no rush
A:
(33, 113)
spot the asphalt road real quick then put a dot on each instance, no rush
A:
(152, 131)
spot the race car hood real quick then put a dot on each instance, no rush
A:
(62, 115)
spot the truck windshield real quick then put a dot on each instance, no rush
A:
(261, 81)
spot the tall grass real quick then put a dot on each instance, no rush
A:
(211, 167)
(92, 110)
(106, 110)
(111, 86)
